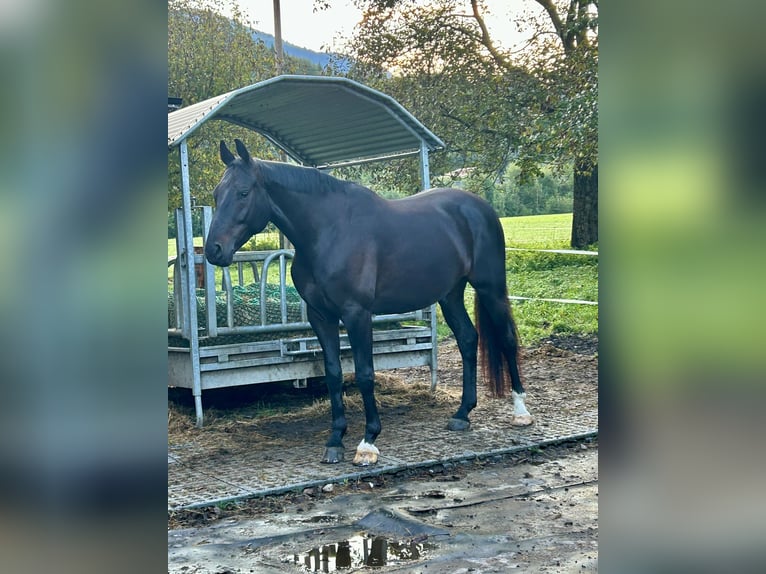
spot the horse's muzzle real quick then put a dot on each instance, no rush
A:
(215, 254)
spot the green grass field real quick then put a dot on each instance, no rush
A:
(538, 231)
(529, 274)
(550, 276)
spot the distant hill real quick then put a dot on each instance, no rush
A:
(319, 58)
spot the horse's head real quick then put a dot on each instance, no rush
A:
(243, 207)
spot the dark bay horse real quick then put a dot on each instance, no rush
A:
(357, 254)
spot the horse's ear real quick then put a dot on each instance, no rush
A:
(242, 151)
(226, 156)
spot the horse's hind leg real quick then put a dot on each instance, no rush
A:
(456, 316)
(496, 310)
(328, 335)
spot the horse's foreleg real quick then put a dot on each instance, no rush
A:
(328, 335)
(359, 326)
(458, 320)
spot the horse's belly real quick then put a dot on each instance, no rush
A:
(406, 299)
(391, 307)
(412, 286)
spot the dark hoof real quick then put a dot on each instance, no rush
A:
(458, 424)
(333, 454)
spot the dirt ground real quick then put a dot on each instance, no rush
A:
(534, 511)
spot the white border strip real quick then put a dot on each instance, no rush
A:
(573, 301)
(565, 251)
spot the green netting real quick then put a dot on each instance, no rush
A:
(246, 311)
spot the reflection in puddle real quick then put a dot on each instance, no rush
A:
(360, 551)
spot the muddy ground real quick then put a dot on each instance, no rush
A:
(534, 511)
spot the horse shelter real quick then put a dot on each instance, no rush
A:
(240, 332)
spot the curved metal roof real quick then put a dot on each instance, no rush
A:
(319, 121)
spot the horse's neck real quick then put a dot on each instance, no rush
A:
(297, 206)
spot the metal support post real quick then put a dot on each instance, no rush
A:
(190, 297)
(425, 178)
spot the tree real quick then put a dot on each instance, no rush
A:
(210, 54)
(569, 70)
(448, 79)
(492, 107)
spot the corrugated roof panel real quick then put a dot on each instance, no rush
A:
(376, 128)
(318, 120)
(183, 121)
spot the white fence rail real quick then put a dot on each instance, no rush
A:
(561, 251)
(564, 251)
(572, 301)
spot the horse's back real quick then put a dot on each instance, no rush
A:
(455, 202)
(474, 226)
(426, 243)
(456, 210)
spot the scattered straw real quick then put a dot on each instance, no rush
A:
(243, 426)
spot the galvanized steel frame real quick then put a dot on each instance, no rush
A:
(347, 134)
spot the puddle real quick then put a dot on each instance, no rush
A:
(361, 551)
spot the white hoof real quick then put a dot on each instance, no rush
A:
(522, 420)
(521, 416)
(366, 454)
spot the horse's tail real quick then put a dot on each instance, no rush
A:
(498, 343)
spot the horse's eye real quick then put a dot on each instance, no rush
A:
(243, 193)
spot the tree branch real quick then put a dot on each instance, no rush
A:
(554, 16)
(468, 125)
(573, 13)
(486, 40)
(584, 22)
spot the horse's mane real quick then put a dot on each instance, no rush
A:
(308, 179)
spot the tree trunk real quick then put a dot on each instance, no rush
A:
(585, 206)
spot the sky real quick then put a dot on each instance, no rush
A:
(314, 30)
